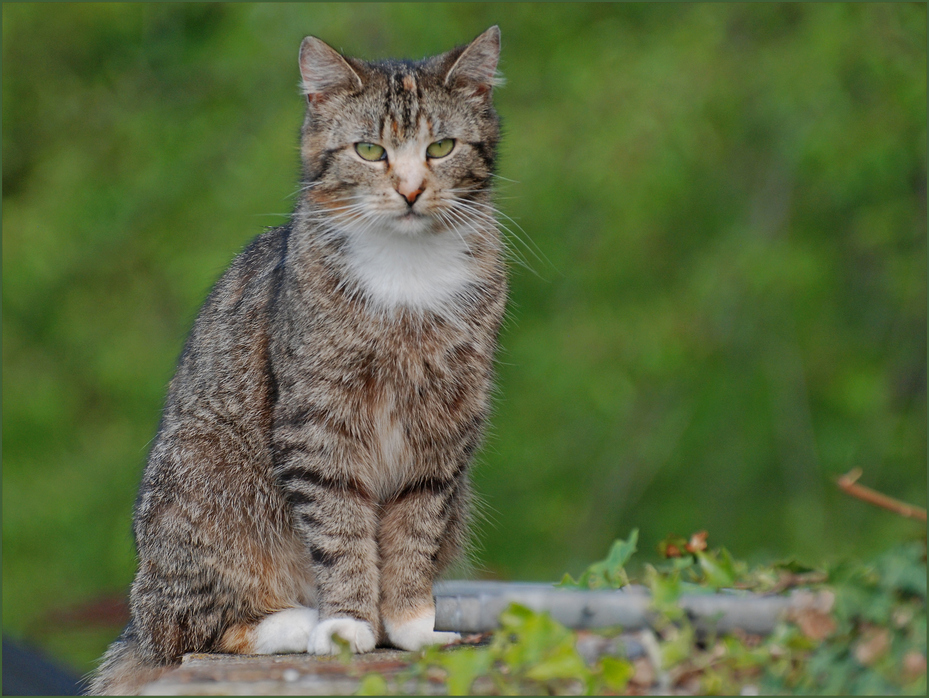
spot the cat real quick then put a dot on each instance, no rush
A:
(309, 478)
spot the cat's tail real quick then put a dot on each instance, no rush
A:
(124, 670)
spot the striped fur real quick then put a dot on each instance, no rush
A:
(315, 443)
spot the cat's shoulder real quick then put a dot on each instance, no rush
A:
(254, 273)
(265, 250)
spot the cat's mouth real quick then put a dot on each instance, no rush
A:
(414, 222)
(411, 215)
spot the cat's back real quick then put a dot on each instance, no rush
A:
(239, 302)
(223, 361)
(218, 409)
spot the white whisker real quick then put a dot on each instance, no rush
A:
(514, 254)
(505, 179)
(534, 249)
(450, 223)
(470, 207)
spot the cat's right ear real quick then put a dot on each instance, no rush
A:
(323, 70)
(475, 67)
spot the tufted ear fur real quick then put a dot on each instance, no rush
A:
(323, 70)
(476, 67)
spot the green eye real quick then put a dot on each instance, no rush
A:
(441, 148)
(370, 151)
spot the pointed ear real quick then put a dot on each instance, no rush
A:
(323, 69)
(476, 67)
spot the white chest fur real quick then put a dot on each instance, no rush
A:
(420, 272)
(392, 461)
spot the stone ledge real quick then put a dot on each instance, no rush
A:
(278, 675)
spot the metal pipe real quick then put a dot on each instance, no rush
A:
(464, 606)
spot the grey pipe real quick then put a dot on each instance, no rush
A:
(476, 607)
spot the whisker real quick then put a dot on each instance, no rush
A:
(488, 218)
(445, 219)
(303, 187)
(505, 179)
(534, 249)
(514, 254)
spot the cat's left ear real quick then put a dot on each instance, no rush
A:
(476, 67)
(324, 70)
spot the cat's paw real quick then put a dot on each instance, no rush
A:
(285, 632)
(357, 633)
(417, 633)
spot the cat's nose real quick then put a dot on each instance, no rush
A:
(410, 192)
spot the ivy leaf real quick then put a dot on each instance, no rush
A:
(563, 662)
(680, 564)
(678, 645)
(534, 634)
(718, 569)
(666, 590)
(463, 666)
(345, 649)
(622, 550)
(609, 573)
(616, 673)
(372, 685)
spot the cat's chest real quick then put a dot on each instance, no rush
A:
(422, 273)
(422, 393)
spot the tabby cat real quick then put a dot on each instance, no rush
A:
(309, 478)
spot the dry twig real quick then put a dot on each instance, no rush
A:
(848, 484)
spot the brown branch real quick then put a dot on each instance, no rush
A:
(847, 483)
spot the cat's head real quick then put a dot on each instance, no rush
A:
(402, 147)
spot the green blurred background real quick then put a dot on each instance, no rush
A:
(728, 308)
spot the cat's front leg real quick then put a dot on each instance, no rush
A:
(416, 529)
(338, 523)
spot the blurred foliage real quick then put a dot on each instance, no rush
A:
(865, 634)
(530, 654)
(609, 573)
(723, 207)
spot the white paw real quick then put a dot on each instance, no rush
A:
(285, 631)
(358, 634)
(417, 633)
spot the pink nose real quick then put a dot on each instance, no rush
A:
(409, 193)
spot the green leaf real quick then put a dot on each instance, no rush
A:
(718, 569)
(678, 645)
(373, 685)
(561, 663)
(679, 564)
(666, 590)
(463, 666)
(622, 550)
(609, 573)
(345, 649)
(535, 633)
(616, 673)
(516, 616)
